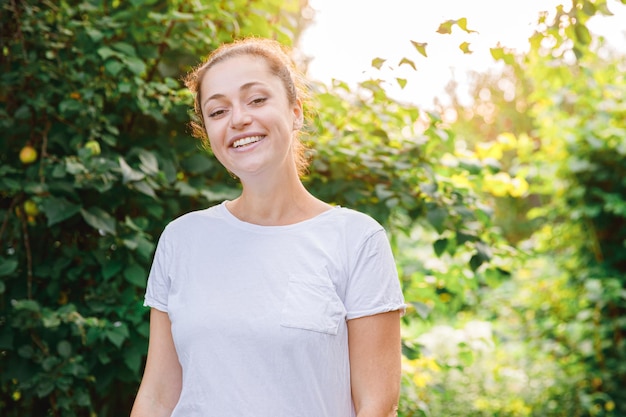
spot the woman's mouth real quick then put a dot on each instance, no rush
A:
(246, 141)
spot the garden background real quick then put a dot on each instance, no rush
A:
(507, 220)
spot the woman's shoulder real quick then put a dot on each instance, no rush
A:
(194, 219)
(353, 219)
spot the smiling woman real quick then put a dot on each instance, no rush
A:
(250, 296)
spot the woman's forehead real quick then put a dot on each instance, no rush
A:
(238, 72)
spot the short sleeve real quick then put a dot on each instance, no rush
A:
(373, 285)
(159, 281)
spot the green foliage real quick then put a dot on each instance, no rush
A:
(586, 155)
(95, 158)
(565, 304)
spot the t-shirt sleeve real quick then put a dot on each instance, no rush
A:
(373, 286)
(159, 281)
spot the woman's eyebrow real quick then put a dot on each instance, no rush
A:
(244, 87)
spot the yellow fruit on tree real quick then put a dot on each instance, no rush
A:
(30, 208)
(93, 146)
(28, 154)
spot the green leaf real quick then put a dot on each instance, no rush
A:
(111, 269)
(145, 248)
(7, 267)
(182, 16)
(22, 112)
(64, 348)
(58, 209)
(406, 61)
(99, 219)
(105, 52)
(197, 164)
(499, 53)
(149, 163)
(136, 275)
(484, 251)
(420, 47)
(144, 188)
(44, 388)
(10, 184)
(219, 193)
(475, 262)
(128, 173)
(136, 65)
(82, 398)
(422, 309)
(95, 35)
(117, 334)
(437, 217)
(465, 48)
(383, 192)
(462, 23)
(378, 62)
(70, 105)
(582, 34)
(113, 67)
(440, 246)
(124, 48)
(462, 237)
(445, 28)
(133, 358)
(25, 351)
(50, 320)
(27, 305)
(482, 255)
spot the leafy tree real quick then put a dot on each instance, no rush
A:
(580, 122)
(573, 158)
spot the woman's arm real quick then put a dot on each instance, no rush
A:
(162, 379)
(375, 363)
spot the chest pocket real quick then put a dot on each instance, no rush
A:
(312, 304)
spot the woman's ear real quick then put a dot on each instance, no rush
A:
(298, 113)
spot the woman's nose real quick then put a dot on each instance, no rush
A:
(239, 117)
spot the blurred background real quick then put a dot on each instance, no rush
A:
(488, 137)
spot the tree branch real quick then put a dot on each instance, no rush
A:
(5, 222)
(29, 256)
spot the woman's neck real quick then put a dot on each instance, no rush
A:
(281, 205)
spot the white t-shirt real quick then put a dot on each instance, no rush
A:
(259, 312)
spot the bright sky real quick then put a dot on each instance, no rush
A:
(347, 34)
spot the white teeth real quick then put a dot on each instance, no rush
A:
(246, 141)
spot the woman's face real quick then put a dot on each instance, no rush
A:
(248, 118)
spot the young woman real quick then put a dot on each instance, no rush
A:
(274, 304)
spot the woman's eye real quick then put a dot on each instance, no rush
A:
(259, 100)
(216, 113)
